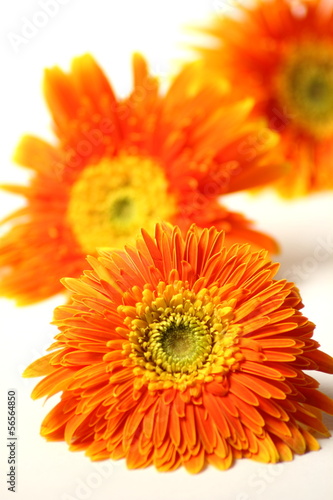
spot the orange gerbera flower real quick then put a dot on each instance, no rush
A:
(281, 53)
(181, 352)
(125, 164)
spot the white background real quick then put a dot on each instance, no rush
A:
(111, 31)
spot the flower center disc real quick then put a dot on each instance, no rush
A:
(305, 87)
(180, 343)
(111, 201)
(178, 337)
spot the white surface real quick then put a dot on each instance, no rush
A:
(112, 31)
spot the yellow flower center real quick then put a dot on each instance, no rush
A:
(179, 337)
(111, 201)
(305, 88)
(179, 343)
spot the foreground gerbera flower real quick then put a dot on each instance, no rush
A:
(123, 164)
(180, 352)
(288, 69)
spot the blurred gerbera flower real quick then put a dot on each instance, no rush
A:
(123, 164)
(281, 53)
(180, 351)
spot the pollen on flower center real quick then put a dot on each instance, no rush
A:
(112, 200)
(179, 337)
(305, 88)
(180, 343)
